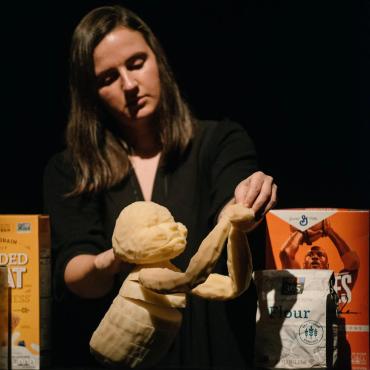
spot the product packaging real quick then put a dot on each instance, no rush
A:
(4, 319)
(25, 250)
(296, 319)
(335, 239)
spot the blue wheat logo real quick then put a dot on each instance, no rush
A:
(311, 332)
(303, 221)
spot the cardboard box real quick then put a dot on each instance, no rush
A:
(25, 250)
(4, 319)
(336, 239)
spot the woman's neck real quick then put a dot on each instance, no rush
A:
(143, 140)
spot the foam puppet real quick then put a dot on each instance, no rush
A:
(143, 320)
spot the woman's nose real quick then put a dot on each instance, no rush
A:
(128, 80)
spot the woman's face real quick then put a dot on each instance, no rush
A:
(127, 75)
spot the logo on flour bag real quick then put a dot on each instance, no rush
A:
(292, 285)
(311, 332)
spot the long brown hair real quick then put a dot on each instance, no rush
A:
(99, 156)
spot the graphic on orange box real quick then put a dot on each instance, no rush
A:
(336, 239)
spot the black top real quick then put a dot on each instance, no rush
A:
(220, 156)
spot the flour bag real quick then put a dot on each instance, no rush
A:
(296, 323)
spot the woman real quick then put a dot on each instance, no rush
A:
(131, 136)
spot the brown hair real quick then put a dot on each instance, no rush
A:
(98, 155)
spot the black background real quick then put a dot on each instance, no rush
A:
(294, 73)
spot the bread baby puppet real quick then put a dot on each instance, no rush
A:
(144, 318)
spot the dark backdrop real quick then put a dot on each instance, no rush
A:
(294, 73)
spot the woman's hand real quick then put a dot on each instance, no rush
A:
(258, 191)
(92, 276)
(108, 262)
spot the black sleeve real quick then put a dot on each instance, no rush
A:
(76, 225)
(232, 158)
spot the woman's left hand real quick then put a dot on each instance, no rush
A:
(258, 191)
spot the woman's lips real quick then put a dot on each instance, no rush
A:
(136, 103)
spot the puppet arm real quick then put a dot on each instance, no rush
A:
(239, 265)
(166, 281)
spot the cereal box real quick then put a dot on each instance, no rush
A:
(335, 239)
(25, 250)
(4, 319)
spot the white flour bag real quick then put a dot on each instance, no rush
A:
(296, 319)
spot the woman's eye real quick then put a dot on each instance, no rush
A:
(106, 79)
(136, 62)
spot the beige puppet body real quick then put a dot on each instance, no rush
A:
(140, 325)
(144, 319)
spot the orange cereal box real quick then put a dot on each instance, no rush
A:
(25, 250)
(336, 239)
